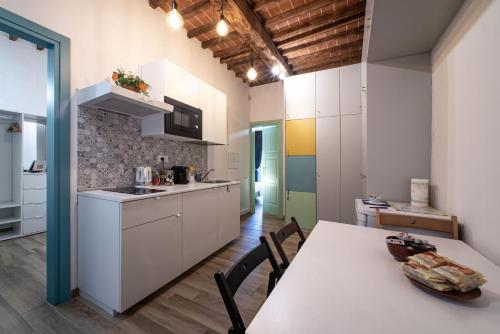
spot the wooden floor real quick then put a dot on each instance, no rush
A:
(190, 304)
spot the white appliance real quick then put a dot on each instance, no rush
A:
(108, 96)
(143, 176)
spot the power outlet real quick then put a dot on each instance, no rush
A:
(164, 157)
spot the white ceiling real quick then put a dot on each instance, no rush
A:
(407, 27)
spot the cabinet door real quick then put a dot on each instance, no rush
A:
(151, 257)
(327, 93)
(350, 89)
(328, 168)
(300, 96)
(351, 165)
(199, 226)
(302, 206)
(228, 214)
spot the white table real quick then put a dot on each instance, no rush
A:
(343, 280)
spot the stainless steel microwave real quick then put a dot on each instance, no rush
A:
(184, 121)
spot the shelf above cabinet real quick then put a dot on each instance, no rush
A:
(109, 97)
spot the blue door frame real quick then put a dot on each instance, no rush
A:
(58, 152)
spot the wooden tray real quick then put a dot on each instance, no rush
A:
(453, 294)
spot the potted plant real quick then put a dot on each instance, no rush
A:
(130, 81)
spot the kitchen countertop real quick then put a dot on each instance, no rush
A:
(170, 190)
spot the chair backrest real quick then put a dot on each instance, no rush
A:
(284, 233)
(230, 282)
(445, 224)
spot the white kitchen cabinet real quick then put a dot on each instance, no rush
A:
(328, 168)
(199, 226)
(151, 256)
(300, 97)
(327, 93)
(168, 79)
(350, 89)
(351, 166)
(228, 214)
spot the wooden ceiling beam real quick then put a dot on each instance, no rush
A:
(217, 40)
(232, 51)
(201, 30)
(317, 21)
(326, 66)
(297, 11)
(228, 60)
(186, 12)
(321, 63)
(350, 35)
(326, 52)
(321, 29)
(191, 10)
(337, 56)
(259, 4)
(244, 20)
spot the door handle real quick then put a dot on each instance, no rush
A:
(288, 192)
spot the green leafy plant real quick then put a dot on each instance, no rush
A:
(130, 81)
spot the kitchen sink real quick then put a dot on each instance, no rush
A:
(215, 181)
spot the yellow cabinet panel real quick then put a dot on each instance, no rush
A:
(300, 137)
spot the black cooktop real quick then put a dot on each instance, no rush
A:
(135, 191)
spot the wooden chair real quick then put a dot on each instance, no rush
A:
(284, 233)
(444, 224)
(230, 282)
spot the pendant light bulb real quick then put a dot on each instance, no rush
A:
(174, 18)
(282, 76)
(222, 28)
(275, 70)
(252, 74)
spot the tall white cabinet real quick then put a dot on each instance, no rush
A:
(300, 96)
(338, 143)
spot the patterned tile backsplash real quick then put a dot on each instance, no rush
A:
(110, 146)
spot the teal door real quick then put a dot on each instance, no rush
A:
(271, 170)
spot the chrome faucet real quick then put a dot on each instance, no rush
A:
(206, 174)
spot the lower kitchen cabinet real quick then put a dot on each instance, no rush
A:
(199, 226)
(127, 250)
(228, 214)
(157, 260)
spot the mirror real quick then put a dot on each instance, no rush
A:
(34, 141)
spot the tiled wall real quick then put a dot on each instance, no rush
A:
(110, 146)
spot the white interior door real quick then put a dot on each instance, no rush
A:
(271, 154)
(328, 168)
(351, 165)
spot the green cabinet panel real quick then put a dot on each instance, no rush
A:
(302, 206)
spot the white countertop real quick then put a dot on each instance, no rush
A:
(343, 280)
(169, 190)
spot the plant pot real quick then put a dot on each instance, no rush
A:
(132, 88)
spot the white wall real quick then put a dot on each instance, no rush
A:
(466, 124)
(23, 77)
(267, 102)
(127, 33)
(399, 113)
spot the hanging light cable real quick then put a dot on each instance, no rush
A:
(222, 28)
(174, 18)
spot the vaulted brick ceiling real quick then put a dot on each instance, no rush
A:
(300, 35)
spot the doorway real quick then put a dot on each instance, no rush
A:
(58, 270)
(267, 168)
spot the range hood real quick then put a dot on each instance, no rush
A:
(107, 96)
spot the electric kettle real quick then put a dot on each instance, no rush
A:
(143, 176)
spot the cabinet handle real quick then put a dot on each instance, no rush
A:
(157, 197)
(227, 189)
(38, 217)
(179, 214)
(288, 192)
(318, 112)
